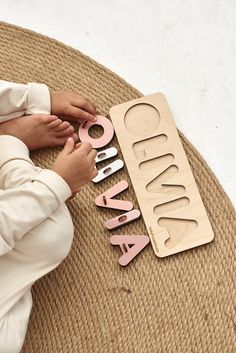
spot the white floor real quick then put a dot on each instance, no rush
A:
(184, 48)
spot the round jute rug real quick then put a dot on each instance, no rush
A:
(183, 303)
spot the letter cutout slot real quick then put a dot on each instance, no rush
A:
(178, 229)
(161, 185)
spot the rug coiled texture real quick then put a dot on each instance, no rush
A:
(89, 304)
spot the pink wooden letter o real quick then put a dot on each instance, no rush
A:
(101, 141)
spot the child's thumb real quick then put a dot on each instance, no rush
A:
(69, 146)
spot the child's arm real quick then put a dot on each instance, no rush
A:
(18, 99)
(72, 105)
(24, 207)
(35, 98)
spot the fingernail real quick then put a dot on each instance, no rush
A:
(94, 118)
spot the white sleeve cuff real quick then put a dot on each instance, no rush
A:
(39, 101)
(55, 183)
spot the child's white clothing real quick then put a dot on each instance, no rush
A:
(17, 99)
(36, 229)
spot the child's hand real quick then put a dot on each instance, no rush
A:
(72, 105)
(76, 164)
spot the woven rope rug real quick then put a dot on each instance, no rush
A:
(183, 303)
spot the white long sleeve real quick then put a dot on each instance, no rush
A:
(24, 207)
(18, 99)
(29, 202)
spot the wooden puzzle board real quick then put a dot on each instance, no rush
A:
(171, 206)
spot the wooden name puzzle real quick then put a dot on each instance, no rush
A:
(168, 196)
(171, 206)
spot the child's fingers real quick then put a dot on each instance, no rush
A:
(69, 146)
(92, 155)
(78, 145)
(84, 104)
(78, 99)
(80, 114)
(85, 148)
(95, 173)
(91, 102)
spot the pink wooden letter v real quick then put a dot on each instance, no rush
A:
(105, 199)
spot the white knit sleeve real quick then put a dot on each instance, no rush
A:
(17, 99)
